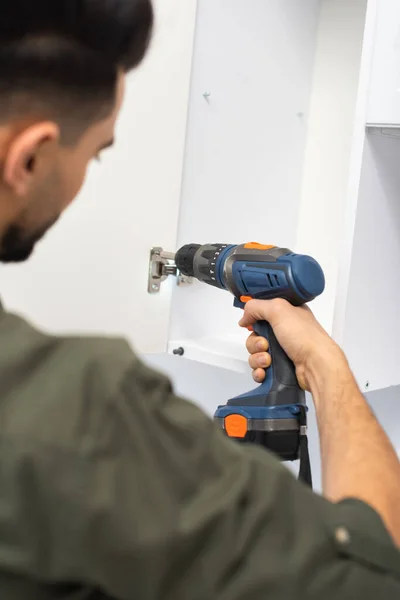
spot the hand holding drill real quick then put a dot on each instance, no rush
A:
(301, 336)
(355, 452)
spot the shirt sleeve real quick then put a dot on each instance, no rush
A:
(152, 501)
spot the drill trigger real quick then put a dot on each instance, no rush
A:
(238, 304)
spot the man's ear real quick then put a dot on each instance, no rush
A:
(24, 153)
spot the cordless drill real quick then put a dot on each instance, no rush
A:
(275, 414)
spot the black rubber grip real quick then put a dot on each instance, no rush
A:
(284, 372)
(280, 386)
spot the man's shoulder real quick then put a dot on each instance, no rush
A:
(50, 384)
(21, 344)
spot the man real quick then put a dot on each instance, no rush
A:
(110, 486)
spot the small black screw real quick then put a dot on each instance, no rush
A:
(179, 352)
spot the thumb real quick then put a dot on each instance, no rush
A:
(263, 310)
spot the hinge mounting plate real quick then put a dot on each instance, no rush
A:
(162, 265)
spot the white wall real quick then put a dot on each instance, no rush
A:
(91, 273)
(209, 387)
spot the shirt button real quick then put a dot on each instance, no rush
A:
(342, 536)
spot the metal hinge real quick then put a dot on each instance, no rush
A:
(162, 265)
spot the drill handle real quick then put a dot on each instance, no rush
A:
(280, 386)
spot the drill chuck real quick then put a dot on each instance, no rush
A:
(184, 259)
(202, 262)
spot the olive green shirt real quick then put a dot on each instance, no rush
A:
(111, 487)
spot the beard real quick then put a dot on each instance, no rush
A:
(17, 246)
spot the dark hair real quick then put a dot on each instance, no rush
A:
(61, 58)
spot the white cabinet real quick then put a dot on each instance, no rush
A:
(268, 157)
(384, 101)
(244, 152)
(246, 123)
(372, 317)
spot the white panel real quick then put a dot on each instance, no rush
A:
(372, 323)
(355, 168)
(245, 148)
(384, 106)
(91, 274)
(330, 142)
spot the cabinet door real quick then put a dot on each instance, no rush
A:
(384, 103)
(247, 130)
(90, 275)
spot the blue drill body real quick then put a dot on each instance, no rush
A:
(273, 414)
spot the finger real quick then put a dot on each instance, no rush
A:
(259, 375)
(256, 344)
(265, 310)
(262, 359)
